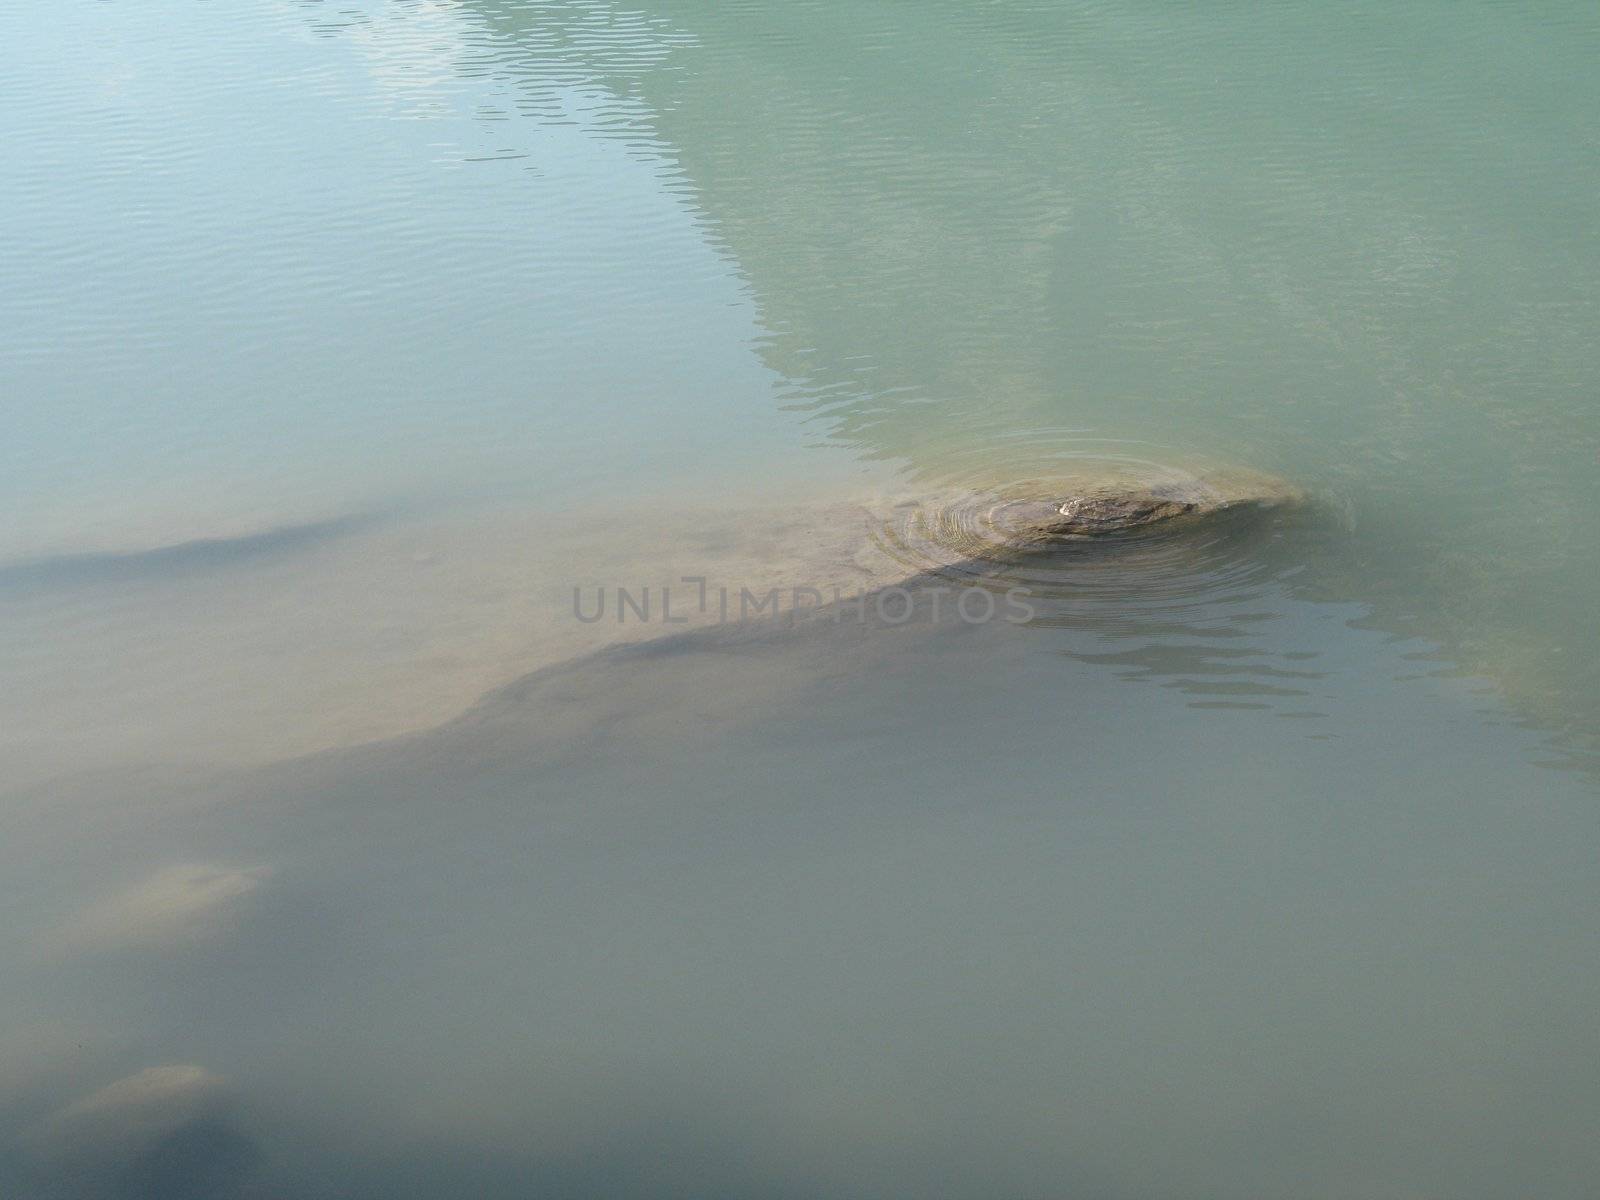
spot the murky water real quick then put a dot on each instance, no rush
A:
(517, 677)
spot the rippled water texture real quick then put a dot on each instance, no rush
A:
(539, 653)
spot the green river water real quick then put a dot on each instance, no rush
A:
(343, 342)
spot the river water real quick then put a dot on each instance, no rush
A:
(357, 355)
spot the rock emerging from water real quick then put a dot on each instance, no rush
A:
(1118, 501)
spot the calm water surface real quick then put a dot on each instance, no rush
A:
(342, 341)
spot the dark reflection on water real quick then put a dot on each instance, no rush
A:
(1192, 605)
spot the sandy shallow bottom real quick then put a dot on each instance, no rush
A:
(360, 630)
